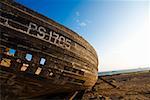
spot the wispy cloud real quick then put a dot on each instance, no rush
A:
(88, 21)
(79, 22)
(82, 24)
(77, 13)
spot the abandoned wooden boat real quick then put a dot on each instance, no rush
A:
(39, 56)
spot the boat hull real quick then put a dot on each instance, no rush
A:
(40, 56)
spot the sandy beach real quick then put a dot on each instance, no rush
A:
(129, 86)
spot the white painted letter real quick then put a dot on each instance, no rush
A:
(31, 26)
(41, 31)
(68, 43)
(61, 41)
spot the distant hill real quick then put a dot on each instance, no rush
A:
(123, 71)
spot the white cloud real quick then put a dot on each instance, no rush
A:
(77, 21)
(82, 24)
(88, 21)
(77, 13)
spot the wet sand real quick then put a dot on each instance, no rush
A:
(129, 86)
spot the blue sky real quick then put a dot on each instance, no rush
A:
(119, 30)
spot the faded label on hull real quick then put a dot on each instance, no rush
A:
(49, 36)
(42, 33)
